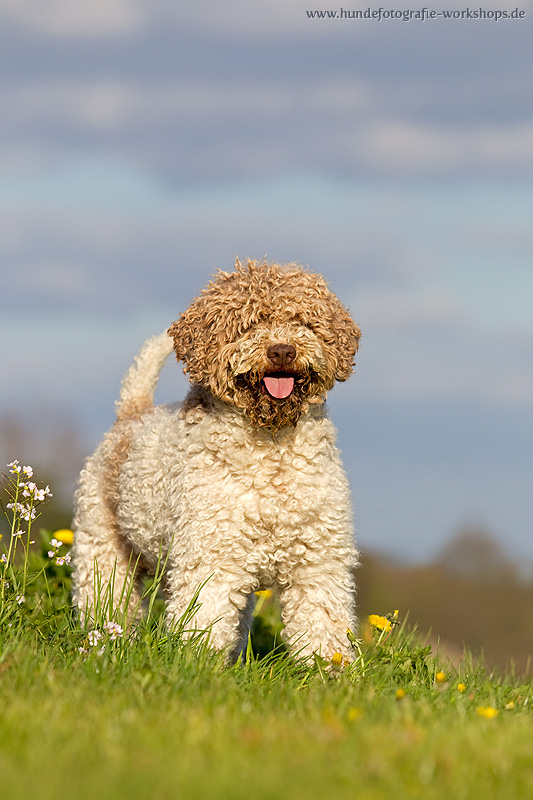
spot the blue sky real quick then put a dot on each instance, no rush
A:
(145, 145)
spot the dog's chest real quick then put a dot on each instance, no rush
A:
(275, 480)
(218, 487)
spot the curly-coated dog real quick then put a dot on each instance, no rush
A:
(240, 487)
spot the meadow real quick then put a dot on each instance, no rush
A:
(112, 712)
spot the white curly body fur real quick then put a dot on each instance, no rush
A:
(230, 506)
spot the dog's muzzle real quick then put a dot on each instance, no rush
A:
(279, 383)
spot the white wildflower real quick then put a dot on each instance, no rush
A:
(15, 469)
(94, 637)
(114, 630)
(55, 543)
(20, 599)
(31, 489)
(28, 471)
(27, 514)
(23, 511)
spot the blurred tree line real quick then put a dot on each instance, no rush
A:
(472, 594)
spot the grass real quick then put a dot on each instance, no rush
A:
(154, 715)
(173, 721)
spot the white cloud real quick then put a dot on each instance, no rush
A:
(406, 146)
(76, 18)
(99, 105)
(233, 18)
(345, 124)
(111, 104)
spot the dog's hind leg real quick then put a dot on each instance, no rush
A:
(105, 566)
(106, 572)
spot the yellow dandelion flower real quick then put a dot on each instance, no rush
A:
(440, 677)
(400, 694)
(266, 593)
(461, 687)
(336, 661)
(509, 706)
(382, 623)
(64, 535)
(487, 711)
(354, 713)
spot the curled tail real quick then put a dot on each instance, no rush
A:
(139, 382)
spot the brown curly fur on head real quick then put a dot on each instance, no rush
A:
(224, 335)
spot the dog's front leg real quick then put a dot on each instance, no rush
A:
(318, 607)
(223, 609)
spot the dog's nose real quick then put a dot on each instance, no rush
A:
(281, 355)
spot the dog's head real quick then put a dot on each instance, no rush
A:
(269, 339)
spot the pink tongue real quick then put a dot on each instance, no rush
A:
(279, 387)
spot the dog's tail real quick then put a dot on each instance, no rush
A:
(138, 385)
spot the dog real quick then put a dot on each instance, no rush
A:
(240, 487)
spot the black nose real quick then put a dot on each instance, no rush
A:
(281, 355)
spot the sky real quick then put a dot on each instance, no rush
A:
(143, 145)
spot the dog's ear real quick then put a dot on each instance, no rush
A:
(180, 332)
(191, 338)
(348, 335)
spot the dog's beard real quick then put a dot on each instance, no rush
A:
(266, 411)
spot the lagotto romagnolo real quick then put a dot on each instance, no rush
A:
(239, 487)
